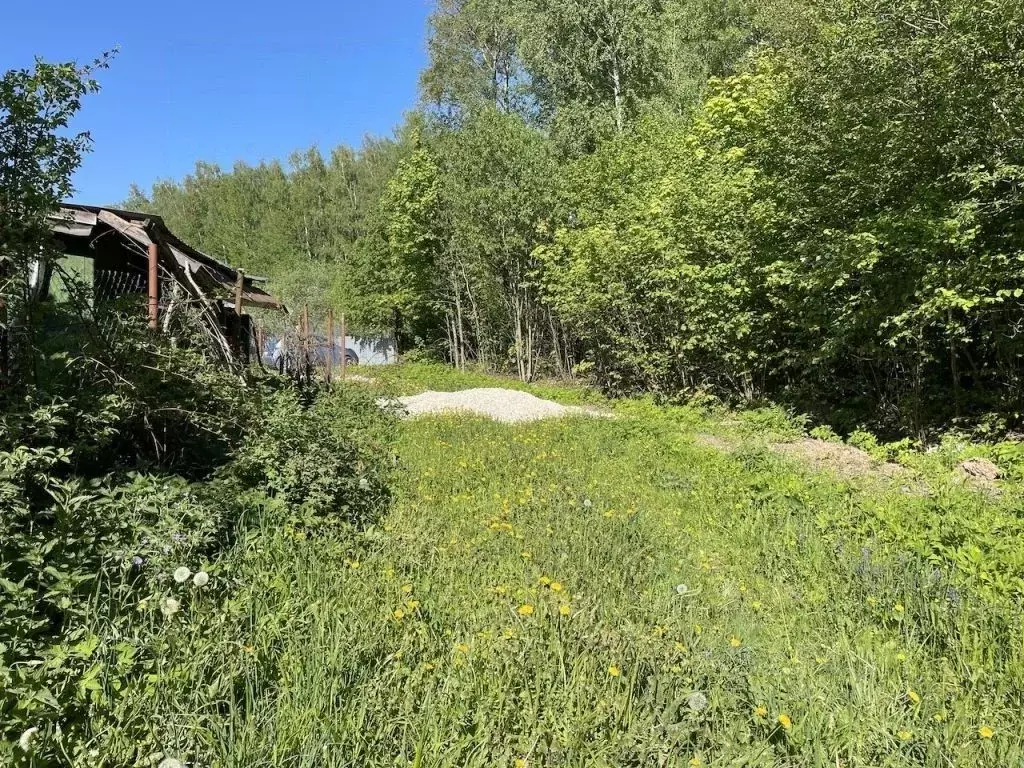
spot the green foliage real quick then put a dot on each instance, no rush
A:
(309, 226)
(76, 559)
(38, 156)
(836, 227)
(318, 459)
(407, 642)
(86, 565)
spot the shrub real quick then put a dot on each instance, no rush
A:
(322, 458)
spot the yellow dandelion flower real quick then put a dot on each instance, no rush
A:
(898, 608)
(904, 735)
(399, 614)
(544, 580)
(525, 610)
(785, 721)
(526, 555)
(681, 648)
(914, 696)
(901, 657)
(756, 605)
(412, 605)
(565, 610)
(520, 763)
(461, 648)
(695, 762)
(407, 588)
(556, 586)
(761, 711)
(938, 717)
(985, 732)
(614, 671)
(735, 642)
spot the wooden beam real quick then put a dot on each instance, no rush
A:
(154, 287)
(331, 344)
(239, 293)
(305, 342)
(344, 348)
(127, 228)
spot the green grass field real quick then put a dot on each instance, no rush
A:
(610, 592)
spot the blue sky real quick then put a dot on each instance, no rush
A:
(223, 80)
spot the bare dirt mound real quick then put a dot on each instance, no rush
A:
(980, 474)
(505, 405)
(844, 460)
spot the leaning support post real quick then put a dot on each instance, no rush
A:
(344, 347)
(239, 291)
(331, 345)
(243, 340)
(154, 288)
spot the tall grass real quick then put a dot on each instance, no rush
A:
(597, 592)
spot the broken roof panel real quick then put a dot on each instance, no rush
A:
(215, 277)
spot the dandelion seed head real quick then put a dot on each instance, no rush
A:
(169, 606)
(697, 701)
(27, 740)
(182, 574)
(201, 579)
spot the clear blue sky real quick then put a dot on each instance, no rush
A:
(223, 80)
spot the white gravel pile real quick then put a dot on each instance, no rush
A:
(506, 405)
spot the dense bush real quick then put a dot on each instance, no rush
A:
(90, 563)
(319, 457)
(838, 226)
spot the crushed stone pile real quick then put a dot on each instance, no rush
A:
(505, 405)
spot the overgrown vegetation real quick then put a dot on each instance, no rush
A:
(816, 202)
(130, 463)
(613, 592)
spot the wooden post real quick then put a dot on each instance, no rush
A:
(305, 340)
(344, 347)
(239, 293)
(259, 344)
(241, 337)
(331, 345)
(154, 288)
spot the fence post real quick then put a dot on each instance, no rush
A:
(305, 342)
(331, 344)
(344, 347)
(154, 288)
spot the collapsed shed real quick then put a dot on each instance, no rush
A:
(121, 254)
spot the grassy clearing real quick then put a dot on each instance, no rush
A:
(595, 592)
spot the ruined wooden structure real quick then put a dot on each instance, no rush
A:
(126, 254)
